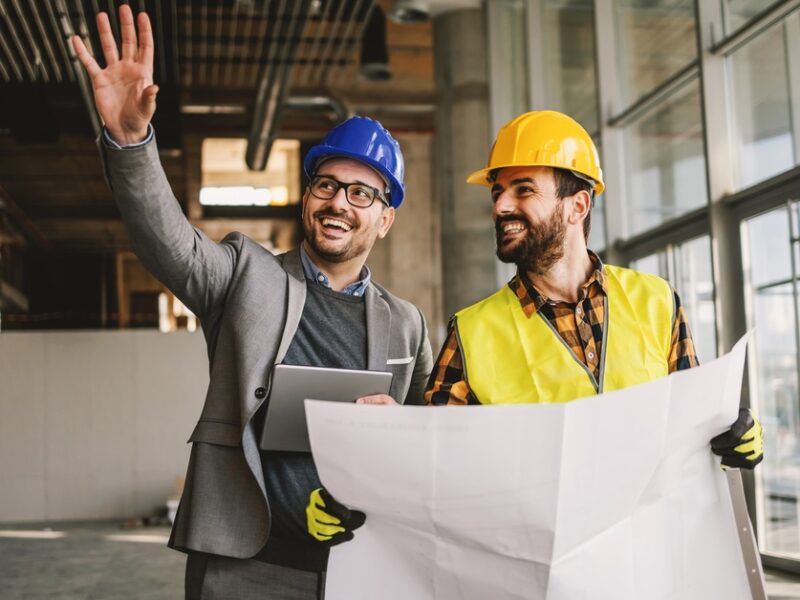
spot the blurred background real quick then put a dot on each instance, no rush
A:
(694, 106)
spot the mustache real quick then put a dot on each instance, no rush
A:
(498, 224)
(341, 216)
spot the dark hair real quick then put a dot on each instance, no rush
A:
(567, 184)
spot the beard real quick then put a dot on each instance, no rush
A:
(335, 251)
(540, 249)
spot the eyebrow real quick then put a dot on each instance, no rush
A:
(498, 188)
(356, 181)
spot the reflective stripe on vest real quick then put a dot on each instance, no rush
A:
(510, 358)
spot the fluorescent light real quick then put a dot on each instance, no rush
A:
(239, 195)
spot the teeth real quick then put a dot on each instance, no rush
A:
(336, 223)
(513, 227)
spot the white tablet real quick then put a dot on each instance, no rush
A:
(285, 424)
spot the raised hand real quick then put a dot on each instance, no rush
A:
(123, 92)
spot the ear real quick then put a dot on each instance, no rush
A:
(387, 218)
(579, 206)
(304, 201)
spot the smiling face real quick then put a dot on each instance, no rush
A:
(530, 219)
(335, 230)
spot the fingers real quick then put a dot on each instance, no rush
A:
(146, 48)
(381, 399)
(89, 63)
(729, 439)
(107, 41)
(128, 32)
(348, 518)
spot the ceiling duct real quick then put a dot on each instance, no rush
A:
(410, 11)
(273, 86)
(340, 110)
(374, 52)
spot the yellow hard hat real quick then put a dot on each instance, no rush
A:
(544, 138)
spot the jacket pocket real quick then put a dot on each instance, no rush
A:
(216, 432)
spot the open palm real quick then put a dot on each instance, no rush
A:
(123, 92)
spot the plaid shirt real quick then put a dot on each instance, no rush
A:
(579, 324)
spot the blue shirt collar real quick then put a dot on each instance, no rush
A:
(312, 272)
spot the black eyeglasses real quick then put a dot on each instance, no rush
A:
(358, 194)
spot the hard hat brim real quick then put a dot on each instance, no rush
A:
(321, 151)
(481, 177)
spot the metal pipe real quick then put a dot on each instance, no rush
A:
(62, 44)
(4, 71)
(217, 46)
(271, 97)
(17, 41)
(335, 105)
(347, 42)
(248, 27)
(46, 40)
(317, 76)
(232, 44)
(37, 54)
(83, 79)
(83, 26)
(13, 63)
(309, 66)
(262, 37)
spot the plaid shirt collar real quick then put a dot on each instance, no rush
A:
(532, 300)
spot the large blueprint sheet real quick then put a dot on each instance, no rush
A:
(615, 496)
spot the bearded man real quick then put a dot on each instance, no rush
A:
(566, 326)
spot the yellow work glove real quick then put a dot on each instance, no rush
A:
(330, 522)
(742, 446)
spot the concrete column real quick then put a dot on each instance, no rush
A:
(461, 145)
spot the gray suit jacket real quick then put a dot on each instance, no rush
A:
(249, 303)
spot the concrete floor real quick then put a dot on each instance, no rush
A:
(91, 560)
(101, 560)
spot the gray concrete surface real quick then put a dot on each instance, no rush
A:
(103, 561)
(95, 561)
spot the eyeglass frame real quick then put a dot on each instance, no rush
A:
(341, 185)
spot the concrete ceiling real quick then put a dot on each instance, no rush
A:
(212, 57)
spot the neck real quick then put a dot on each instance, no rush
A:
(339, 274)
(562, 281)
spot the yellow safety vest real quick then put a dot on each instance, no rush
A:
(510, 358)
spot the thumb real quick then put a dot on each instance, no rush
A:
(149, 99)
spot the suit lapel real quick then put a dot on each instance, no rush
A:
(378, 326)
(295, 300)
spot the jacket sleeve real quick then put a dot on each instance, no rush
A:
(422, 366)
(196, 269)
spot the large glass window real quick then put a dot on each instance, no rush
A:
(771, 272)
(655, 40)
(687, 267)
(739, 12)
(762, 101)
(569, 67)
(665, 163)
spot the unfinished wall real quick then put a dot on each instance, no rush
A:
(94, 424)
(408, 260)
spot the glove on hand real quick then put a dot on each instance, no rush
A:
(742, 446)
(328, 521)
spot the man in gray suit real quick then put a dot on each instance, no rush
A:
(255, 523)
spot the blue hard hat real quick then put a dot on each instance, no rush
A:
(367, 141)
